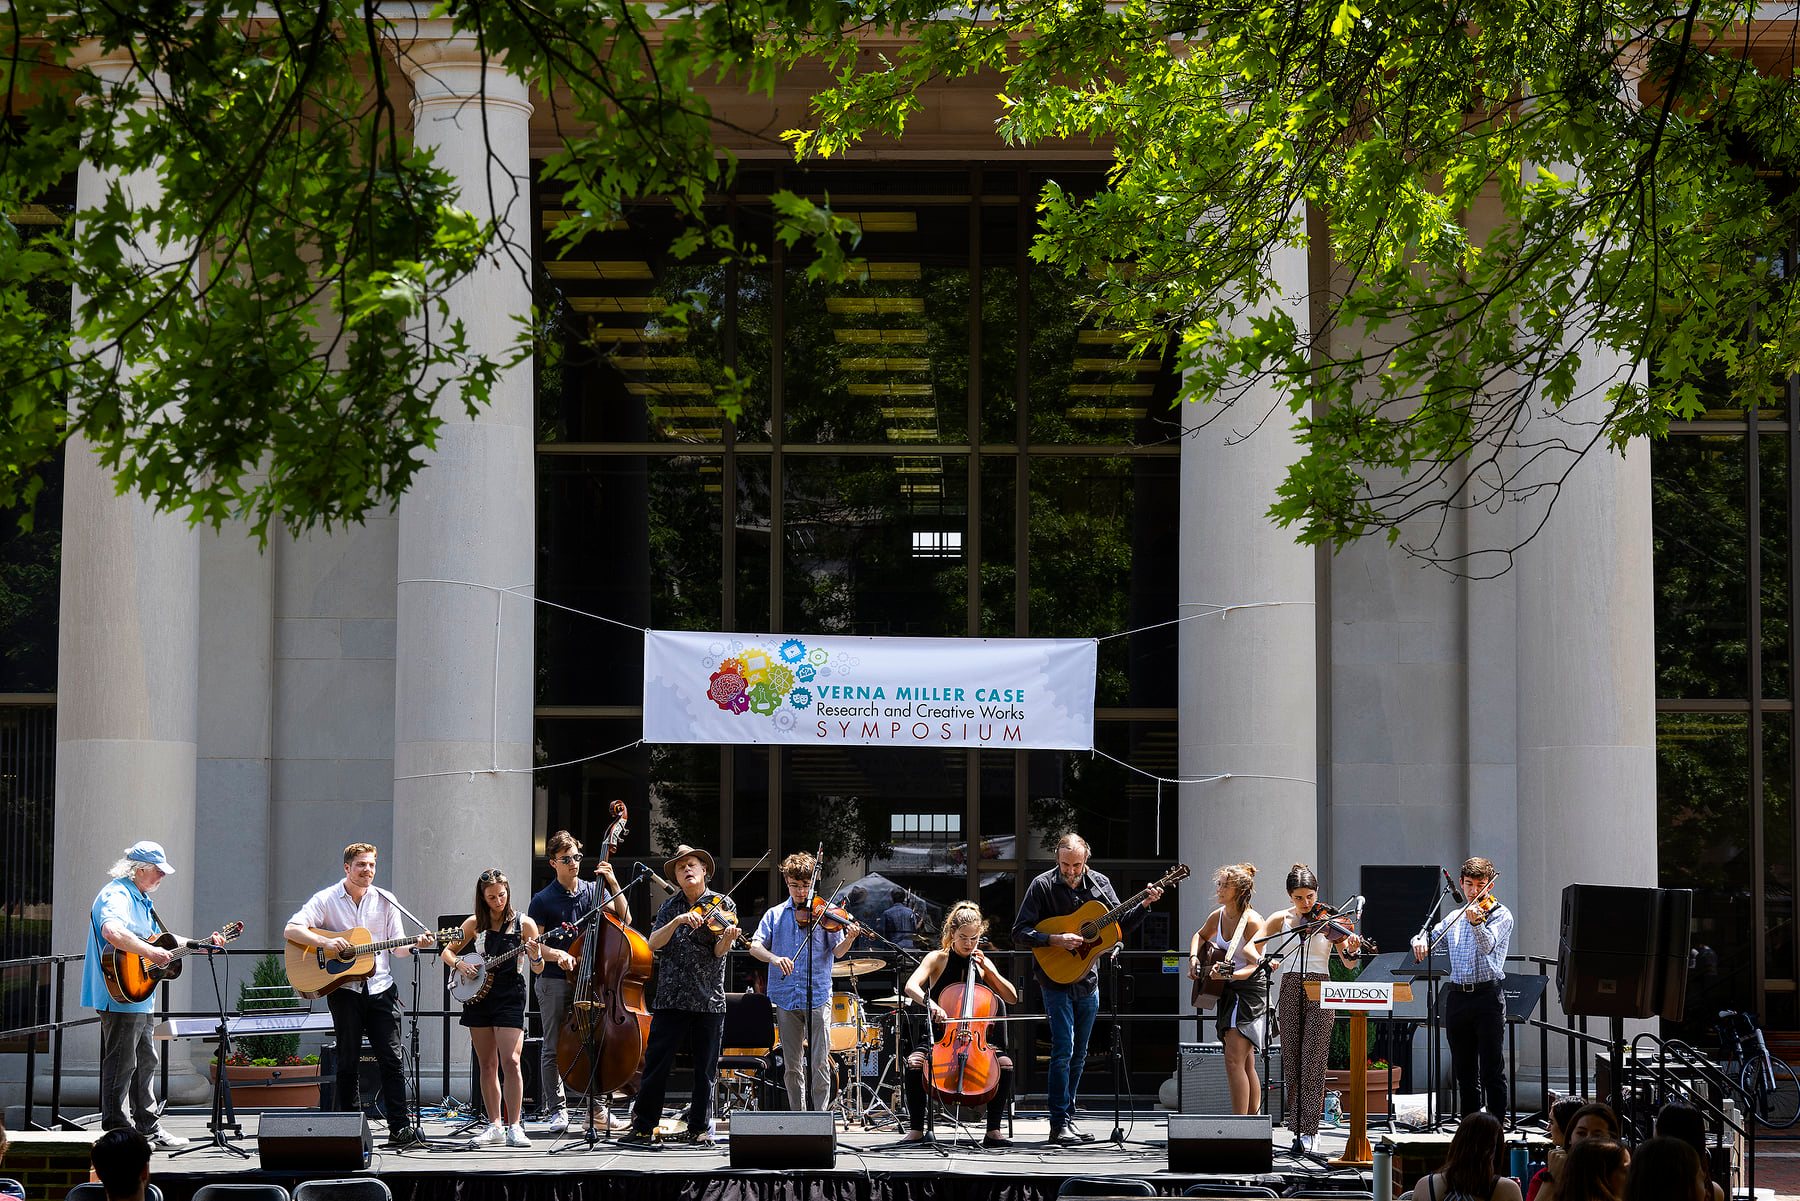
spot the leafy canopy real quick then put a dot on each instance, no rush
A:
(286, 349)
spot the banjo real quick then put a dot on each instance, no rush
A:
(466, 990)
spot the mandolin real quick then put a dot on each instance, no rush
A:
(131, 978)
(1099, 930)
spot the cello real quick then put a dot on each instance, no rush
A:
(601, 1044)
(963, 1069)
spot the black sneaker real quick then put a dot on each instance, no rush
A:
(401, 1137)
(637, 1138)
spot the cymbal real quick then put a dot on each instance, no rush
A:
(890, 999)
(856, 967)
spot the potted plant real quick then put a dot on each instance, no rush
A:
(269, 1067)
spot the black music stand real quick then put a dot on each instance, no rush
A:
(224, 1114)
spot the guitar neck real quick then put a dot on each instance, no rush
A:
(390, 944)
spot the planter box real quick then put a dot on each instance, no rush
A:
(1378, 1084)
(254, 1087)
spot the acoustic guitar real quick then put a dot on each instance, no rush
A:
(131, 978)
(1099, 930)
(314, 971)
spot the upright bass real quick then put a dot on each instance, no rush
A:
(601, 1044)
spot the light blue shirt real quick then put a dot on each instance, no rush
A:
(1477, 951)
(782, 936)
(121, 901)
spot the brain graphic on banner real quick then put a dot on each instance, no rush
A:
(737, 688)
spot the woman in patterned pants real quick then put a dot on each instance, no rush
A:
(1305, 1028)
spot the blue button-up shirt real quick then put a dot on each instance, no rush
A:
(782, 936)
(124, 902)
(1477, 950)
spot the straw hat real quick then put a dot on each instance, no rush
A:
(682, 852)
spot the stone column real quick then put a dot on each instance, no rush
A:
(1249, 686)
(1586, 690)
(463, 673)
(127, 672)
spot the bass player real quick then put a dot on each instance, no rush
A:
(1070, 1008)
(369, 1005)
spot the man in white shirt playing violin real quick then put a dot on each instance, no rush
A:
(370, 1005)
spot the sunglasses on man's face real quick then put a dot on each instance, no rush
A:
(571, 860)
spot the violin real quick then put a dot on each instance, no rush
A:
(1481, 906)
(1337, 928)
(830, 918)
(717, 915)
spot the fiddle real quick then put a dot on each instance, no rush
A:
(718, 914)
(830, 918)
(1338, 928)
(1480, 907)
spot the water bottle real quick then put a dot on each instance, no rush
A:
(1521, 1162)
(1334, 1108)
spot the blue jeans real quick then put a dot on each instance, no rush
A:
(1071, 1024)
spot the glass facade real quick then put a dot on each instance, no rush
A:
(941, 448)
(1723, 510)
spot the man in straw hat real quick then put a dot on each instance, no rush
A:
(689, 1009)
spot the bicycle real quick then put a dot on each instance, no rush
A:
(1767, 1086)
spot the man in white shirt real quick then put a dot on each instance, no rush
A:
(369, 1005)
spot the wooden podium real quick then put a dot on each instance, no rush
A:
(1357, 1151)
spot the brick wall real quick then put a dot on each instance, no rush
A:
(49, 1162)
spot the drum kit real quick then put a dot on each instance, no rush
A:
(858, 1032)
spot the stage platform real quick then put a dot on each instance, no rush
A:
(870, 1166)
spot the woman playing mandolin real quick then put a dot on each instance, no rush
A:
(941, 970)
(496, 1020)
(1234, 962)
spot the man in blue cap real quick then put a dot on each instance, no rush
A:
(123, 918)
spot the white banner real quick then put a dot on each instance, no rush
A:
(818, 690)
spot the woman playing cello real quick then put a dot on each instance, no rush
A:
(937, 972)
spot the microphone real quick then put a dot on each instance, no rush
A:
(1354, 906)
(1450, 883)
(644, 870)
(194, 944)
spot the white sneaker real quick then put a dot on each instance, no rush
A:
(163, 1140)
(1306, 1142)
(490, 1135)
(515, 1135)
(559, 1122)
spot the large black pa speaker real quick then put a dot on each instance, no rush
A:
(783, 1138)
(295, 1142)
(368, 1075)
(1221, 1142)
(1623, 951)
(1399, 897)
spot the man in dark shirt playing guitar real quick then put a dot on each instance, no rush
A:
(1070, 1006)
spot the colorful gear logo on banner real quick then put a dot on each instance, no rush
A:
(754, 679)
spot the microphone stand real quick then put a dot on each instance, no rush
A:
(1117, 1048)
(224, 1114)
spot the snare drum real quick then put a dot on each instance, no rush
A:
(846, 1020)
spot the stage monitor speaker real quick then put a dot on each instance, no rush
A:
(1200, 1083)
(1623, 951)
(782, 1138)
(1399, 898)
(305, 1142)
(1221, 1142)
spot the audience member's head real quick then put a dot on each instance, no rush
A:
(1667, 1169)
(1561, 1114)
(3, 1139)
(122, 1161)
(1687, 1124)
(1592, 1120)
(1594, 1171)
(1469, 1165)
